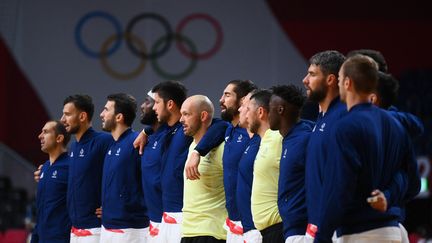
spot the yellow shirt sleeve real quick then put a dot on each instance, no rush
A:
(264, 205)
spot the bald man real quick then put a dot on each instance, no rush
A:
(204, 210)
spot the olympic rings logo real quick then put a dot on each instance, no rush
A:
(138, 47)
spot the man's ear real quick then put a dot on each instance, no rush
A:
(170, 104)
(260, 112)
(331, 80)
(60, 138)
(373, 98)
(204, 116)
(119, 117)
(348, 83)
(281, 110)
(82, 116)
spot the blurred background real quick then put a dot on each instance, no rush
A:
(50, 49)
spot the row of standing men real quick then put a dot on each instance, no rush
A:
(261, 174)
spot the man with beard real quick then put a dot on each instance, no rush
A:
(245, 177)
(321, 84)
(124, 217)
(53, 224)
(204, 203)
(264, 198)
(368, 150)
(151, 166)
(236, 140)
(85, 170)
(285, 106)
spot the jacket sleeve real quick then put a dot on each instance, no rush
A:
(214, 136)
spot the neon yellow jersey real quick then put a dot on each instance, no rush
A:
(204, 210)
(264, 205)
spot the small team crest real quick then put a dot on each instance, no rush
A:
(322, 127)
(109, 152)
(239, 139)
(81, 153)
(54, 174)
(118, 152)
(155, 145)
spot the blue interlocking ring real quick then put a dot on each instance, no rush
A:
(103, 15)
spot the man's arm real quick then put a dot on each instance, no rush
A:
(412, 124)
(37, 173)
(140, 141)
(214, 136)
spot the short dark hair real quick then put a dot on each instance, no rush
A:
(375, 55)
(124, 104)
(387, 89)
(242, 87)
(81, 102)
(262, 98)
(363, 71)
(60, 129)
(171, 90)
(328, 61)
(292, 95)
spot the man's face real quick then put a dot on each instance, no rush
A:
(229, 103)
(315, 83)
(161, 110)
(48, 137)
(252, 116)
(190, 119)
(70, 118)
(243, 121)
(276, 103)
(108, 117)
(148, 115)
(341, 80)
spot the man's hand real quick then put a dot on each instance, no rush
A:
(98, 212)
(37, 173)
(140, 142)
(191, 167)
(378, 201)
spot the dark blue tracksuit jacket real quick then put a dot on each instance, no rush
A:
(316, 157)
(53, 224)
(85, 178)
(244, 183)
(151, 171)
(123, 203)
(368, 148)
(291, 186)
(236, 141)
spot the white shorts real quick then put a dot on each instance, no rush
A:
(234, 231)
(123, 235)
(170, 228)
(85, 235)
(252, 236)
(404, 234)
(380, 235)
(296, 239)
